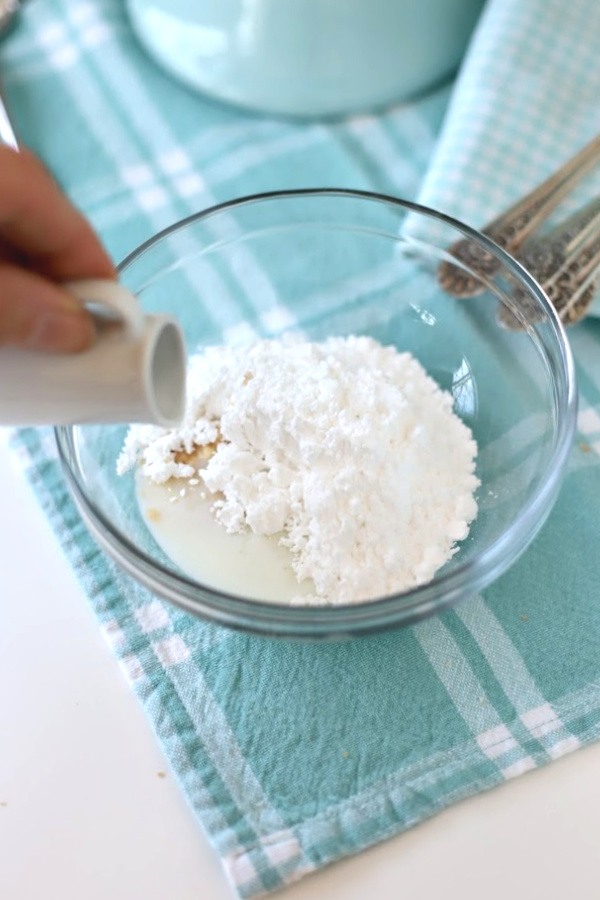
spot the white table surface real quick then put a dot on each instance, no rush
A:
(85, 815)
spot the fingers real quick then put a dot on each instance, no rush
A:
(43, 236)
(39, 315)
(36, 219)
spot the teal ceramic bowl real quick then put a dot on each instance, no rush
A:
(306, 57)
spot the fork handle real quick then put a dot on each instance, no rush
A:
(9, 10)
(7, 132)
(528, 213)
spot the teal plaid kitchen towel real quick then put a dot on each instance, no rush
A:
(294, 755)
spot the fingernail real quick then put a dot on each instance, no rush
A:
(57, 332)
(67, 303)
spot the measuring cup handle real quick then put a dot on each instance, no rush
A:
(113, 296)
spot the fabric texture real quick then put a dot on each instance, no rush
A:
(295, 755)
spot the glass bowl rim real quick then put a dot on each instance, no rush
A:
(282, 620)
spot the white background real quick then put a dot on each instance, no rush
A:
(85, 815)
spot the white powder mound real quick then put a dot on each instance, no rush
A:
(346, 449)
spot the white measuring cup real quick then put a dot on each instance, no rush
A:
(134, 371)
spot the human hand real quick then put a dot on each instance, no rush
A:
(44, 240)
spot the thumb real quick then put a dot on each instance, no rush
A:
(40, 315)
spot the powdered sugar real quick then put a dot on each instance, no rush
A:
(345, 449)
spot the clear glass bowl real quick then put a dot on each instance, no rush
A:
(337, 263)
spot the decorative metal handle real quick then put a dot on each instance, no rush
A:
(511, 229)
(8, 13)
(7, 133)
